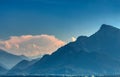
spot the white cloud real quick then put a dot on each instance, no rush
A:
(30, 45)
(73, 39)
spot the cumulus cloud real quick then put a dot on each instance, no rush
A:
(30, 45)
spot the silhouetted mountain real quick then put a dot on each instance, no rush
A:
(97, 54)
(9, 60)
(105, 41)
(25, 58)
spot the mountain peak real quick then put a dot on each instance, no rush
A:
(81, 38)
(107, 27)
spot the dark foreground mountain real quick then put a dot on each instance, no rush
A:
(9, 60)
(97, 54)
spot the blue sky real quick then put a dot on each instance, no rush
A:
(61, 18)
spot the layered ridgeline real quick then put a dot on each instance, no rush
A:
(9, 60)
(21, 67)
(3, 69)
(97, 54)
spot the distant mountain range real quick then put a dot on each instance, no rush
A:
(21, 67)
(9, 60)
(97, 54)
(3, 69)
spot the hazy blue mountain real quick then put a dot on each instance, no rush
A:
(3, 70)
(22, 66)
(97, 54)
(9, 60)
(2, 65)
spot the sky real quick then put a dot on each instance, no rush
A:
(61, 20)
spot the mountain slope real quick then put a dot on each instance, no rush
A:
(9, 60)
(21, 66)
(2, 70)
(105, 41)
(96, 54)
(81, 62)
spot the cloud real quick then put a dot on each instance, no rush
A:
(73, 39)
(30, 45)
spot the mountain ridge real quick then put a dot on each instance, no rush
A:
(8, 59)
(100, 50)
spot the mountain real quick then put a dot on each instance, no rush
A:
(21, 66)
(9, 60)
(3, 70)
(105, 40)
(2, 65)
(96, 54)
